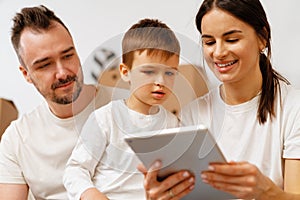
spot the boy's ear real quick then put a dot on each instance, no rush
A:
(124, 71)
(25, 73)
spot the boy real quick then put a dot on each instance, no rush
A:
(102, 165)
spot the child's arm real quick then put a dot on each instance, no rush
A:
(93, 194)
(84, 159)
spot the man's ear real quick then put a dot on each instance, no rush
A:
(125, 72)
(25, 73)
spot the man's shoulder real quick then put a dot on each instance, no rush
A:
(26, 122)
(33, 114)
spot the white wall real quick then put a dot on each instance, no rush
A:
(94, 22)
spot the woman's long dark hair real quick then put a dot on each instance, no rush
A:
(252, 13)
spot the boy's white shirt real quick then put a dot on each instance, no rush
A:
(102, 159)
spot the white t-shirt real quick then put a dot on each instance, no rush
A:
(35, 149)
(241, 137)
(102, 158)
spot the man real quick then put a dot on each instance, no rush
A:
(35, 148)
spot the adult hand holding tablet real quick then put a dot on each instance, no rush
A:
(184, 148)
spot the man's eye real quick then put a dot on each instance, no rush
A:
(43, 66)
(68, 56)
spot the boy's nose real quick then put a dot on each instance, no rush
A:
(159, 79)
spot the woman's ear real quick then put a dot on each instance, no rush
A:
(25, 73)
(262, 41)
(125, 72)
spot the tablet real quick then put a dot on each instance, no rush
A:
(191, 148)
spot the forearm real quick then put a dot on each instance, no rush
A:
(79, 171)
(279, 195)
(93, 194)
(274, 192)
(13, 191)
(76, 180)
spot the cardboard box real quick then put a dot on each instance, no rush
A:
(189, 84)
(8, 113)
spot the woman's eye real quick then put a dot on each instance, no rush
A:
(232, 40)
(208, 43)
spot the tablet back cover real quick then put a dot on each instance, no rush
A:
(190, 148)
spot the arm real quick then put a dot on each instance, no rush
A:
(292, 176)
(13, 191)
(180, 184)
(93, 194)
(245, 181)
(85, 157)
(12, 182)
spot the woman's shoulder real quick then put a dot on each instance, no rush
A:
(290, 95)
(288, 90)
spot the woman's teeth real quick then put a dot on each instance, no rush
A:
(225, 65)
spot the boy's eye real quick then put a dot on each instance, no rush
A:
(148, 72)
(170, 73)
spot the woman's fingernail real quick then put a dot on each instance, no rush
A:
(203, 176)
(157, 164)
(192, 187)
(191, 180)
(185, 174)
(204, 181)
(211, 168)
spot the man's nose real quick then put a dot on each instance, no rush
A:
(61, 71)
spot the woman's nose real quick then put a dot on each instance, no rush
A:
(220, 50)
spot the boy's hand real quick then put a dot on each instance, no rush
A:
(173, 187)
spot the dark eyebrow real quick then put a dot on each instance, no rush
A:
(227, 33)
(69, 49)
(46, 58)
(40, 61)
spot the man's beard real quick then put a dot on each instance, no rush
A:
(68, 98)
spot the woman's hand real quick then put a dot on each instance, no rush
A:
(240, 179)
(173, 187)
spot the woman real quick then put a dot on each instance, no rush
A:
(254, 114)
